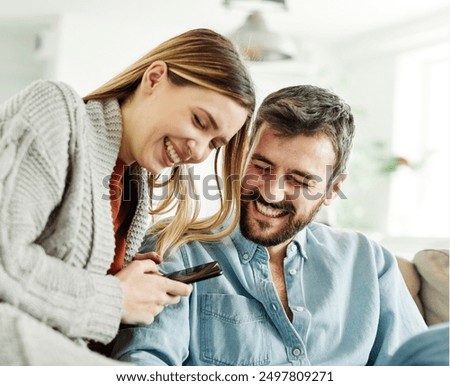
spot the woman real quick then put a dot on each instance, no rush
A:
(74, 192)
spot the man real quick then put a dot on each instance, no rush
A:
(293, 292)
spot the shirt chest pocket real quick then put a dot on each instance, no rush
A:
(233, 331)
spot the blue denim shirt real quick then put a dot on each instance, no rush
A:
(349, 302)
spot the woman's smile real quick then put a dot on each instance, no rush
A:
(171, 152)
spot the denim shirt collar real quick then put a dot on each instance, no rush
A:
(246, 248)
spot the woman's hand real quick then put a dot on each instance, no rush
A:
(146, 291)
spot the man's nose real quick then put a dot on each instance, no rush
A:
(273, 189)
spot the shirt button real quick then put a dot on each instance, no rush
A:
(293, 247)
(274, 306)
(245, 256)
(299, 308)
(292, 271)
(297, 352)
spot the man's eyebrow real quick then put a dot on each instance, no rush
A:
(306, 175)
(260, 157)
(210, 118)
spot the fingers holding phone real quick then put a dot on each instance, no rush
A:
(146, 292)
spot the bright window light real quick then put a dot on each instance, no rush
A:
(419, 195)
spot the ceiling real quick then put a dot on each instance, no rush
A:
(321, 19)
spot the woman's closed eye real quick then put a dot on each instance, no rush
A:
(198, 122)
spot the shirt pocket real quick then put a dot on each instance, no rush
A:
(233, 331)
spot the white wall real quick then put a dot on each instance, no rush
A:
(19, 64)
(93, 49)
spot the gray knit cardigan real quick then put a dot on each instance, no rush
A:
(56, 232)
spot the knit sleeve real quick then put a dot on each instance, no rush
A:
(35, 135)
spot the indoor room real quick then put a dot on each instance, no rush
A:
(388, 59)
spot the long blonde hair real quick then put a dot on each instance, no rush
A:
(204, 58)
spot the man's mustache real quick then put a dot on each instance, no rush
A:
(255, 195)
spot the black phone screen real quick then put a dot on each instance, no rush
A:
(197, 273)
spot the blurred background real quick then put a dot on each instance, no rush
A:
(389, 59)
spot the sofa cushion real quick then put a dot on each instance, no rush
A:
(412, 280)
(432, 265)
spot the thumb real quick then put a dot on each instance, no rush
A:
(149, 256)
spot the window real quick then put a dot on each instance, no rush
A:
(419, 194)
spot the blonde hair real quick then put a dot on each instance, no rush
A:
(204, 58)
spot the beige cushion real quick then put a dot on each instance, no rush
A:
(412, 280)
(432, 265)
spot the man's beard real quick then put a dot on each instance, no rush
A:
(250, 230)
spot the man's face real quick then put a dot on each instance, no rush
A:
(285, 186)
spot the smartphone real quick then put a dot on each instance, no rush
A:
(197, 273)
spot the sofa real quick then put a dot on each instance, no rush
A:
(427, 279)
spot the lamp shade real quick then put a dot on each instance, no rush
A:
(257, 43)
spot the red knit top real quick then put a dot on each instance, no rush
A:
(123, 204)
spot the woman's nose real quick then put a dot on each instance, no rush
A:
(198, 149)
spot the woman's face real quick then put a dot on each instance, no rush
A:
(166, 125)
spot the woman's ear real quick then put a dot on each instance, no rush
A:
(155, 74)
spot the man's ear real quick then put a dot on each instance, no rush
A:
(154, 75)
(333, 191)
